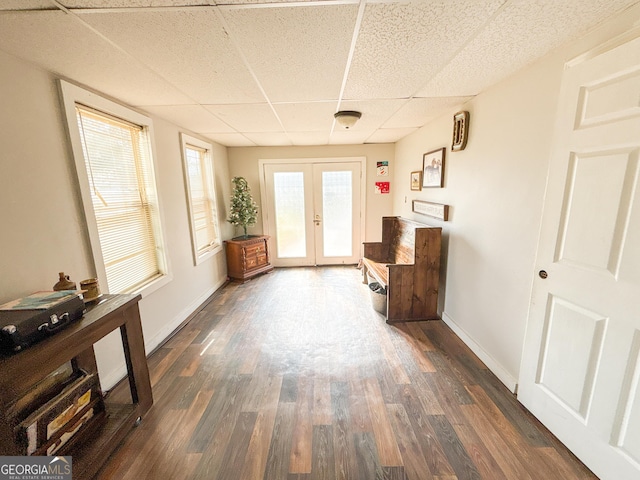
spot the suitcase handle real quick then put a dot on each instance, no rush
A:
(56, 322)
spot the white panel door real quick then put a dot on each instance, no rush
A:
(580, 372)
(312, 213)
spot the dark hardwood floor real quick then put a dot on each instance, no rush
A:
(293, 376)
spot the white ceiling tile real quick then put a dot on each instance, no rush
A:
(305, 117)
(247, 117)
(66, 47)
(400, 45)
(418, 111)
(523, 32)
(309, 138)
(192, 117)
(349, 137)
(230, 139)
(374, 112)
(390, 135)
(273, 139)
(189, 48)
(297, 54)
(26, 4)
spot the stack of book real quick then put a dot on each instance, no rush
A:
(68, 407)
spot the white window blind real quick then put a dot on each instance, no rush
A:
(201, 199)
(121, 182)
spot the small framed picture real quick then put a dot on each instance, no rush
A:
(435, 210)
(433, 168)
(416, 180)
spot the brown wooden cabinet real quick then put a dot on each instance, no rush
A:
(19, 373)
(247, 258)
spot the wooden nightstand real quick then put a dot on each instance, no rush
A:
(247, 258)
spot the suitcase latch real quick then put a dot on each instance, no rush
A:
(55, 320)
(10, 329)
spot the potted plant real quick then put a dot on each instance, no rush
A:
(244, 211)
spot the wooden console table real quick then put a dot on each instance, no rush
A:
(20, 372)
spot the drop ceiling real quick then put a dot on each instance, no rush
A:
(267, 73)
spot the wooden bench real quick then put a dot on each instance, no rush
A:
(407, 263)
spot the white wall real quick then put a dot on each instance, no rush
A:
(43, 230)
(495, 188)
(244, 162)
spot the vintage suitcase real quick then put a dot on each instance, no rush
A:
(28, 320)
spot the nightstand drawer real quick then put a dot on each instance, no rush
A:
(250, 262)
(253, 250)
(256, 260)
(262, 258)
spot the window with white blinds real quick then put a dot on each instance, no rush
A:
(200, 187)
(121, 182)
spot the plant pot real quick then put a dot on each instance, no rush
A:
(247, 237)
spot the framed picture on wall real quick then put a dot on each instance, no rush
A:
(416, 180)
(435, 210)
(433, 168)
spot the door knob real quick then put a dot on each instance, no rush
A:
(543, 274)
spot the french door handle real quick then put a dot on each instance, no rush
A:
(317, 220)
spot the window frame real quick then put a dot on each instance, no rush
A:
(71, 95)
(208, 179)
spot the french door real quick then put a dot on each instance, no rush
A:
(312, 212)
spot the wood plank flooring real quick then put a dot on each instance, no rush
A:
(294, 376)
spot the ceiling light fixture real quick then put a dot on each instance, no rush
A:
(347, 118)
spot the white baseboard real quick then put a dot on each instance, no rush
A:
(168, 329)
(497, 369)
(115, 375)
(110, 380)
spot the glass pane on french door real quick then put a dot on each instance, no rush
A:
(337, 213)
(288, 213)
(290, 235)
(336, 191)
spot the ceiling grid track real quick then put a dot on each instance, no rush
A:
(75, 15)
(471, 38)
(354, 40)
(225, 25)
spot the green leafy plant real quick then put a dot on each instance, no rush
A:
(244, 211)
